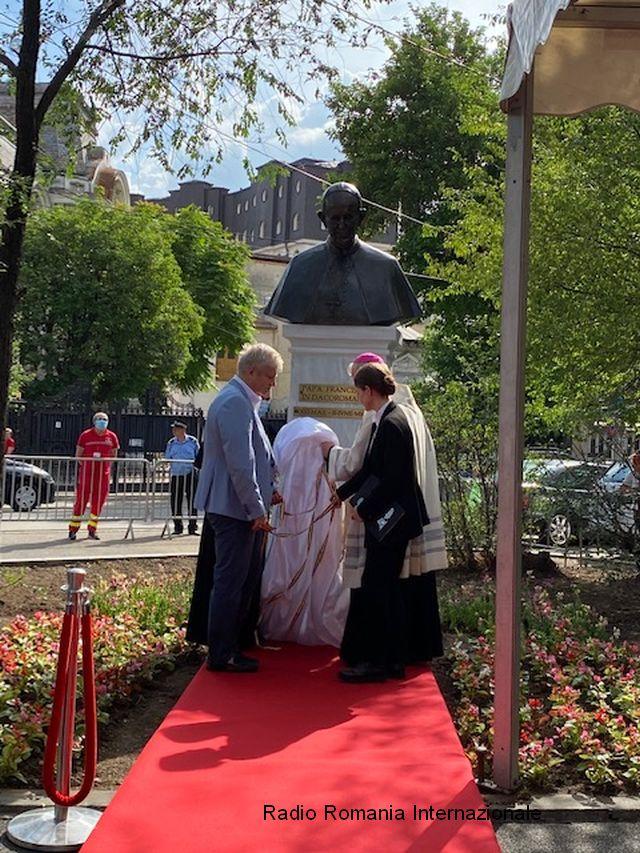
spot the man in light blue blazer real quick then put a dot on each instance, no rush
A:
(236, 490)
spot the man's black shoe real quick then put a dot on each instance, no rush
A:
(246, 658)
(363, 673)
(73, 536)
(93, 535)
(396, 670)
(194, 532)
(178, 531)
(238, 663)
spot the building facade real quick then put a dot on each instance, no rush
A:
(92, 171)
(277, 214)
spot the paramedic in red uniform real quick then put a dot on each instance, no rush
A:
(97, 443)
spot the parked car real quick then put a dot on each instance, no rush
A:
(565, 498)
(25, 485)
(615, 476)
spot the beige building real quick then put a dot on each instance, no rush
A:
(92, 169)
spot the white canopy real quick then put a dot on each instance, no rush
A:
(587, 53)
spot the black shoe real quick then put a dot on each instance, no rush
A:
(363, 673)
(238, 663)
(93, 535)
(73, 536)
(194, 532)
(178, 531)
(396, 670)
(246, 659)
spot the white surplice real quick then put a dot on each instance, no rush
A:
(427, 552)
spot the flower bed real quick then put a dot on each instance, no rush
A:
(580, 689)
(136, 634)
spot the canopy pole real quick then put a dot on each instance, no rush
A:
(511, 435)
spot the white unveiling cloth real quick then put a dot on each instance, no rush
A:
(425, 553)
(302, 598)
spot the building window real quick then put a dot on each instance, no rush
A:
(252, 236)
(239, 208)
(253, 201)
(246, 204)
(226, 365)
(295, 222)
(279, 227)
(261, 231)
(211, 211)
(244, 236)
(280, 191)
(298, 186)
(265, 195)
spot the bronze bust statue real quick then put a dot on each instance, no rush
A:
(343, 281)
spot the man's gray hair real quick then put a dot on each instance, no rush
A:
(259, 355)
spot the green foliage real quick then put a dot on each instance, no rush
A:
(118, 300)
(414, 128)
(158, 604)
(464, 425)
(585, 266)
(19, 376)
(213, 267)
(582, 334)
(103, 303)
(468, 611)
(135, 636)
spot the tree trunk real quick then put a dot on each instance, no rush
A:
(21, 186)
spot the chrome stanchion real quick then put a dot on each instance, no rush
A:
(62, 827)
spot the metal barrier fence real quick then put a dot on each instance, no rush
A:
(57, 488)
(129, 489)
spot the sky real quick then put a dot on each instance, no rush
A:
(309, 137)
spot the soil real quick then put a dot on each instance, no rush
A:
(25, 589)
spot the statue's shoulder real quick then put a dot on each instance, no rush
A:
(309, 256)
(375, 254)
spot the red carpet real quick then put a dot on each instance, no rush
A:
(293, 736)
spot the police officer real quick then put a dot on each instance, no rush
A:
(182, 448)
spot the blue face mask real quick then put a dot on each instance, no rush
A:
(101, 423)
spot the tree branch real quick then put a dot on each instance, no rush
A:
(9, 64)
(99, 16)
(616, 247)
(157, 57)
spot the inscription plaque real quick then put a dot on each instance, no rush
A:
(324, 393)
(320, 412)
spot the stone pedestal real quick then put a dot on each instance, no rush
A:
(320, 384)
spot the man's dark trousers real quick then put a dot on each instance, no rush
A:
(183, 485)
(236, 578)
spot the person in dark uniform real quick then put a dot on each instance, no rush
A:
(182, 449)
(389, 500)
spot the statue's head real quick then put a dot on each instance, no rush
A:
(341, 214)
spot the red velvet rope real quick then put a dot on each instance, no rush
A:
(69, 628)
